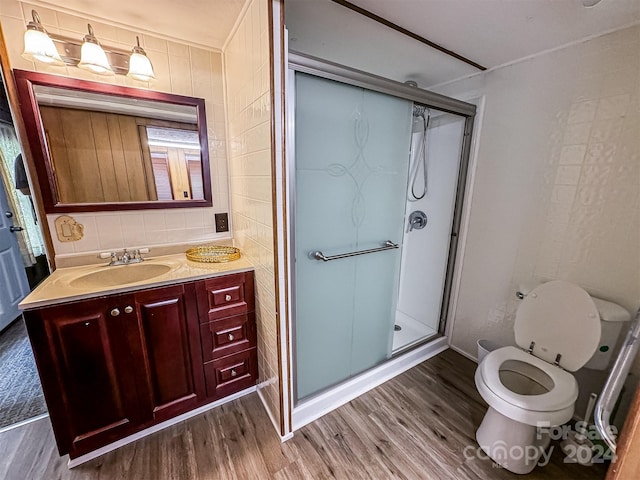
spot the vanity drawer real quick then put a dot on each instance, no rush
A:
(232, 373)
(226, 296)
(227, 336)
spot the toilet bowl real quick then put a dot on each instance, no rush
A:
(530, 389)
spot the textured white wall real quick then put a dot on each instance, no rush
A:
(557, 187)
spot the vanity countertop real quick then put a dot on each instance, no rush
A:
(67, 284)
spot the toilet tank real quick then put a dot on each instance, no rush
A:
(612, 318)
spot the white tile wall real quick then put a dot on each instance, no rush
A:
(557, 183)
(181, 69)
(246, 60)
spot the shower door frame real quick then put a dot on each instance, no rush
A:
(302, 63)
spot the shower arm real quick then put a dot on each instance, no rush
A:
(615, 382)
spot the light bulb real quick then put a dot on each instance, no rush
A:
(140, 66)
(92, 56)
(38, 46)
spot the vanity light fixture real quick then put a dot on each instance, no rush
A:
(88, 54)
(92, 56)
(140, 66)
(38, 45)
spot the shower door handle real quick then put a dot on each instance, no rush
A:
(388, 245)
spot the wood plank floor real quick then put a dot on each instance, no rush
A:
(415, 426)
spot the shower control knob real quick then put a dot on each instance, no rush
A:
(417, 220)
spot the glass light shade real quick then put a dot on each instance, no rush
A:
(140, 67)
(93, 59)
(38, 46)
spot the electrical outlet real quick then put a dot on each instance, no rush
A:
(222, 222)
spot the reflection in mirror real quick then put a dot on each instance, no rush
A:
(121, 148)
(175, 159)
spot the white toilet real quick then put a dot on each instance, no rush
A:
(557, 328)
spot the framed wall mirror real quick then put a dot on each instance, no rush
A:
(100, 147)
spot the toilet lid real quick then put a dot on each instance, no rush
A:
(560, 318)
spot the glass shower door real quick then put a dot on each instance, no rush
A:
(351, 167)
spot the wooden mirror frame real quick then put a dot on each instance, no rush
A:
(25, 82)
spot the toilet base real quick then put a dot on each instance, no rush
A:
(514, 446)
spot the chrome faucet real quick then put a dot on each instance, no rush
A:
(125, 258)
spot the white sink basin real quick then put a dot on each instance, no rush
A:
(120, 275)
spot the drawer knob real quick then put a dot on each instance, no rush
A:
(115, 312)
(231, 337)
(227, 297)
(233, 373)
(128, 309)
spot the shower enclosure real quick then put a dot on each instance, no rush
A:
(436, 141)
(370, 277)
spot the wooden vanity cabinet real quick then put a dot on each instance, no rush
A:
(115, 365)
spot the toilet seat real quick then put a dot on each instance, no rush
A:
(563, 394)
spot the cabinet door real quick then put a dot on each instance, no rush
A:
(172, 358)
(84, 357)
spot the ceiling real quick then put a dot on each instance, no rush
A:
(200, 22)
(495, 32)
(489, 32)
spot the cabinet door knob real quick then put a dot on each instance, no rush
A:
(233, 373)
(231, 337)
(115, 312)
(227, 297)
(128, 309)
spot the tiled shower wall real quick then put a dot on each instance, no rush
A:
(180, 68)
(247, 81)
(557, 185)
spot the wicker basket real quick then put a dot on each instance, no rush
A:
(213, 254)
